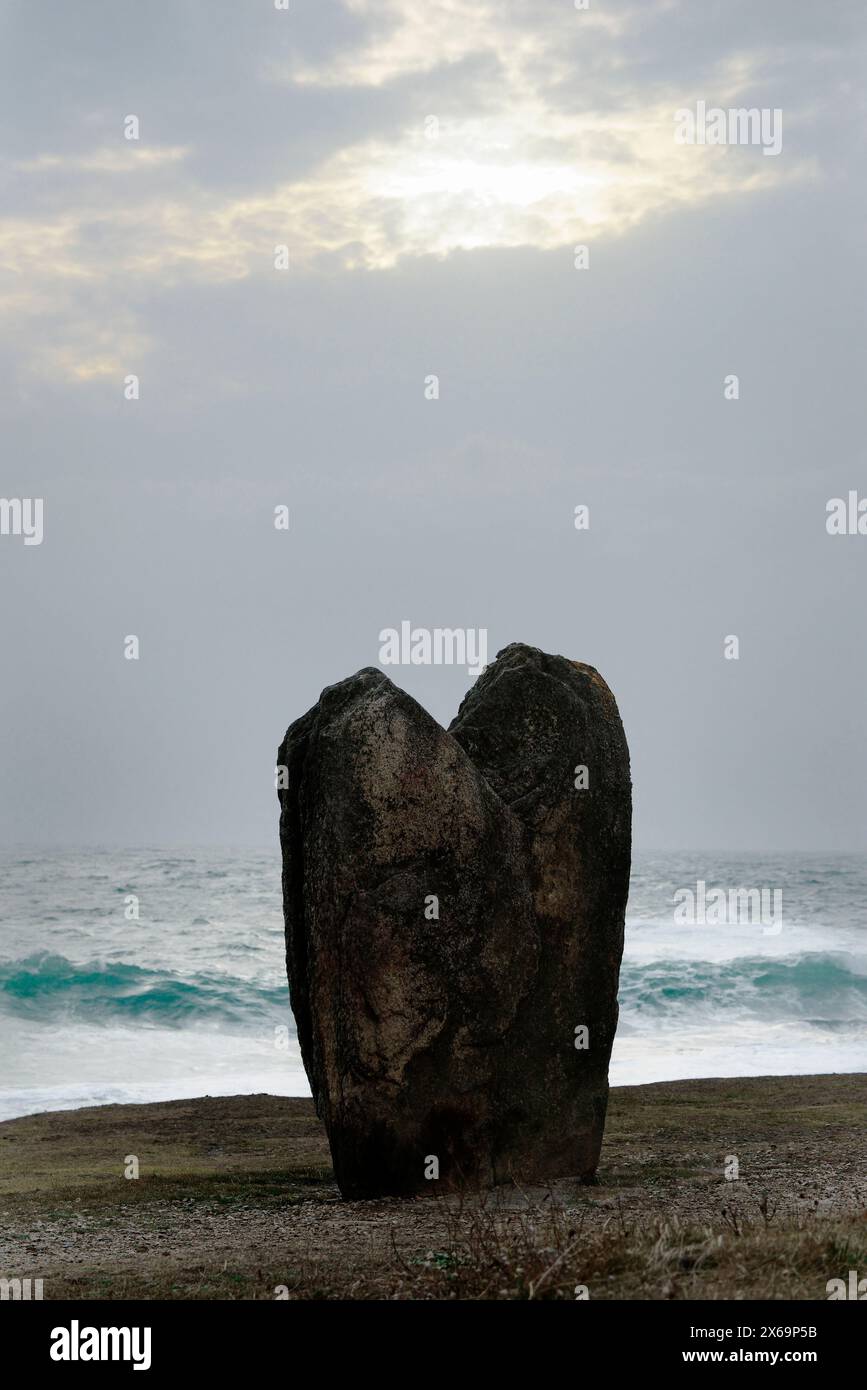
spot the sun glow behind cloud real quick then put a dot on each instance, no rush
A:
(513, 162)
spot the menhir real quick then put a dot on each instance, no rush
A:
(454, 904)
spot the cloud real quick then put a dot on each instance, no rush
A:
(552, 132)
(128, 159)
(406, 39)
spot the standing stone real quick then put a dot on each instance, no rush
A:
(449, 1032)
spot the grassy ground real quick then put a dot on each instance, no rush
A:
(235, 1199)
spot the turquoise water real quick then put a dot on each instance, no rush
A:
(190, 999)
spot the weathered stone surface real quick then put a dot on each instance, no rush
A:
(455, 1037)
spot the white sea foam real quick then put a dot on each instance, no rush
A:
(191, 999)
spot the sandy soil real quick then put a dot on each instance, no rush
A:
(235, 1199)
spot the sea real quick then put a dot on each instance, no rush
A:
(153, 974)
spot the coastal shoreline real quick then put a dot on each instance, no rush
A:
(235, 1198)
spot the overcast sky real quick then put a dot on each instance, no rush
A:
(417, 250)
